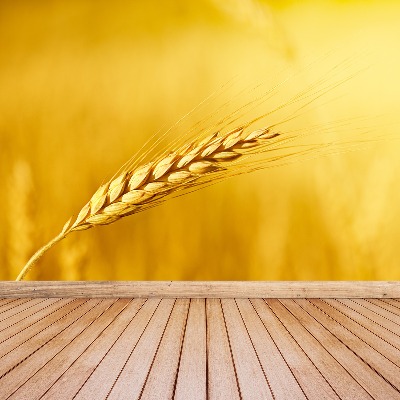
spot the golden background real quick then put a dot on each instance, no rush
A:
(83, 84)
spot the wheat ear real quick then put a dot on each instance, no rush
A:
(132, 191)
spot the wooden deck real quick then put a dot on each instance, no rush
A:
(232, 346)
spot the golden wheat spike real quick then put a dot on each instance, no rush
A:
(129, 192)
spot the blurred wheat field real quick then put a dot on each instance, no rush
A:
(84, 84)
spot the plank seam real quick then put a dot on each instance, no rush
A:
(333, 389)
(44, 344)
(361, 358)
(387, 304)
(22, 319)
(320, 343)
(279, 350)
(351, 350)
(131, 352)
(390, 301)
(19, 312)
(255, 351)
(6, 301)
(230, 350)
(37, 333)
(370, 319)
(105, 355)
(40, 319)
(155, 353)
(71, 340)
(362, 326)
(180, 351)
(13, 306)
(83, 352)
(207, 349)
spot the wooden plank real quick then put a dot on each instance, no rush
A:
(222, 383)
(230, 348)
(25, 312)
(36, 320)
(205, 289)
(12, 305)
(384, 308)
(17, 352)
(281, 380)
(361, 372)
(48, 374)
(393, 301)
(341, 382)
(53, 306)
(9, 313)
(192, 374)
(339, 326)
(4, 302)
(133, 375)
(379, 326)
(101, 380)
(21, 338)
(310, 379)
(160, 383)
(69, 383)
(252, 380)
(26, 368)
(383, 347)
(391, 305)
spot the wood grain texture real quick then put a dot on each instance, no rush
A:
(221, 376)
(385, 309)
(354, 339)
(334, 373)
(203, 289)
(50, 362)
(377, 328)
(360, 371)
(132, 377)
(96, 386)
(309, 377)
(96, 352)
(252, 380)
(214, 348)
(35, 360)
(161, 380)
(280, 377)
(23, 311)
(192, 374)
(10, 306)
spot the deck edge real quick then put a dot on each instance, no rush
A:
(201, 289)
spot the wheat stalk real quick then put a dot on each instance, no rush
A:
(132, 191)
(201, 162)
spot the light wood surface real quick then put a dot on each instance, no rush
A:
(221, 377)
(199, 349)
(213, 341)
(191, 381)
(201, 289)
